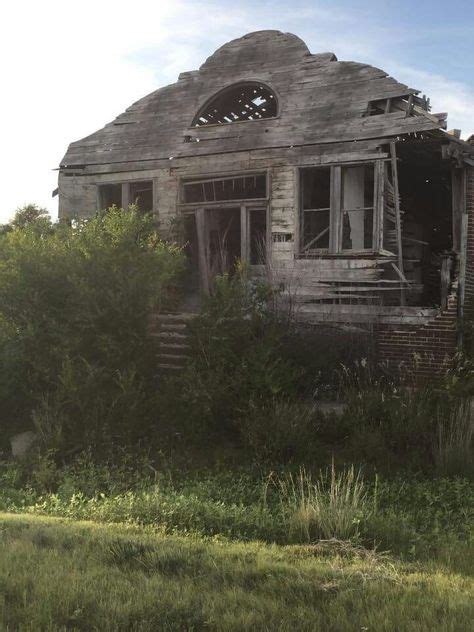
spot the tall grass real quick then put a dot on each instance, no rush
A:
(453, 450)
(331, 506)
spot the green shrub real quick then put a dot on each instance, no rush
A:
(281, 431)
(235, 365)
(75, 347)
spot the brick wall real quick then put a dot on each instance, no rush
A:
(420, 352)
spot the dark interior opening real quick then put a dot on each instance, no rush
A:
(426, 202)
(224, 240)
(257, 236)
(141, 194)
(110, 195)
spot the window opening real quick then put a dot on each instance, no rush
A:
(337, 214)
(110, 194)
(316, 195)
(141, 194)
(258, 236)
(357, 207)
(223, 189)
(241, 102)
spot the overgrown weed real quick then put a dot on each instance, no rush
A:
(330, 506)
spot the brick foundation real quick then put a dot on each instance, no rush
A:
(420, 352)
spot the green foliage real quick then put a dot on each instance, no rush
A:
(387, 425)
(74, 303)
(31, 215)
(282, 431)
(236, 365)
(413, 518)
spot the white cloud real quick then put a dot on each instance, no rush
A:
(446, 95)
(68, 68)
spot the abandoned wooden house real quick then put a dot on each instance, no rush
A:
(329, 177)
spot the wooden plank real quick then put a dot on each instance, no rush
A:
(458, 188)
(298, 205)
(203, 248)
(446, 265)
(244, 230)
(378, 204)
(335, 215)
(126, 195)
(398, 222)
(400, 274)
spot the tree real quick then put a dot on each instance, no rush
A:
(30, 214)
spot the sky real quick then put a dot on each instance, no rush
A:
(68, 68)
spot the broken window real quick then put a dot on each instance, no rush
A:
(110, 195)
(337, 208)
(141, 194)
(316, 196)
(241, 102)
(357, 207)
(224, 189)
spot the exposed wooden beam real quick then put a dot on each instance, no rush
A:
(398, 220)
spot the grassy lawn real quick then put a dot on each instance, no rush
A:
(60, 574)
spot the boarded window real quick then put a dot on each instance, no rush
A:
(141, 194)
(316, 203)
(357, 207)
(241, 102)
(110, 195)
(225, 189)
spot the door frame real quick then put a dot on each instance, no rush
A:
(202, 230)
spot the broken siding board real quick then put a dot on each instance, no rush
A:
(361, 313)
(398, 220)
(379, 204)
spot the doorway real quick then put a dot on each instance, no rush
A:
(217, 238)
(224, 240)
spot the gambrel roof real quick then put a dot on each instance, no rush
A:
(320, 100)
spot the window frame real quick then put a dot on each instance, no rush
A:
(201, 179)
(246, 206)
(209, 100)
(126, 191)
(336, 211)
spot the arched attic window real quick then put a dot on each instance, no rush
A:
(241, 102)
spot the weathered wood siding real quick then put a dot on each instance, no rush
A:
(321, 100)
